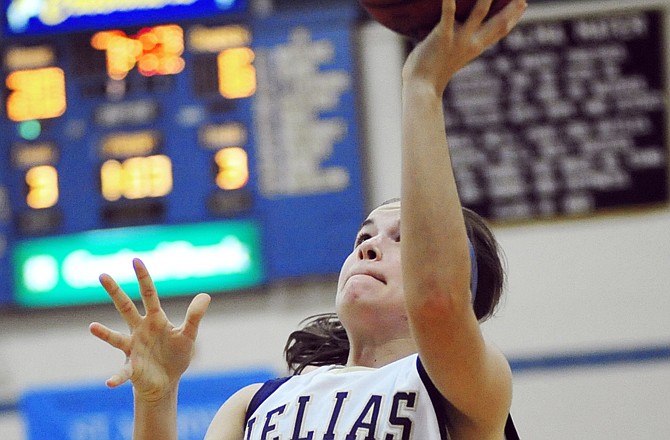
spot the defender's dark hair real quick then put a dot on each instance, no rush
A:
(323, 340)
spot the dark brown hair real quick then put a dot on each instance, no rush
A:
(323, 340)
(490, 265)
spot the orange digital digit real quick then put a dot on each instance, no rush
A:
(36, 94)
(155, 51)
(237, 75)
(136, 177)
(42, 184)
(122, 52)
(233, 167)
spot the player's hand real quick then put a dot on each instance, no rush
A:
(452, 45)
(157, 352)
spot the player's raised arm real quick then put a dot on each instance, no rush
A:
(473, 376)
(157, 353)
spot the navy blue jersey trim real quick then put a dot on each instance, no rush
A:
(440, 409)
(262, 394)
(436, 398)
(510, 429)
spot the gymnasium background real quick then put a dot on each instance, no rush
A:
(560, 138)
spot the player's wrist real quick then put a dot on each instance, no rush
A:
(157, 396)
(416, 91)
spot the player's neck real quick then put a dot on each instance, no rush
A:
(377, 355)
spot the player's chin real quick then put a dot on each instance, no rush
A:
(355, 290)
(360, 296)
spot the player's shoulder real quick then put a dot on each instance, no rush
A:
(228, 422)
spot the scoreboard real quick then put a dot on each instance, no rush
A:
(220, 146)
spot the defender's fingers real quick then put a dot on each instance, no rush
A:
(122, 302)
(147, 289)
(196, 310)
(112, 337)
(121, 377)
(498, 26)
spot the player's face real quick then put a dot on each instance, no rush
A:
(370, 280)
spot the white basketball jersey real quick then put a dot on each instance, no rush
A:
(395, 402)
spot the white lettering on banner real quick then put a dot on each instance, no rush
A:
(293, 140)
(170, 261)
(622, 28)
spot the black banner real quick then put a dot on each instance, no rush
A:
(563, 117)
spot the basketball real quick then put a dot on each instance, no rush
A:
(416, 18)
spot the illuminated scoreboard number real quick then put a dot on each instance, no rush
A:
(223, 53)
(35, 87)
(36, 94)
(155, 51)
(234, 72)
(143, 60)
(134, 178)
(230, 168)
(36, 162)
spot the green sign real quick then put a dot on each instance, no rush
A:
(182, 260)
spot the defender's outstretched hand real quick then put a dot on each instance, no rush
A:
(452, 45)
(157, 352)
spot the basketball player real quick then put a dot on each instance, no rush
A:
(417, 365)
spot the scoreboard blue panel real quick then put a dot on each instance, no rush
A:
(233, 121)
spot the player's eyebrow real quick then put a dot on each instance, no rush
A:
(368, 221)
